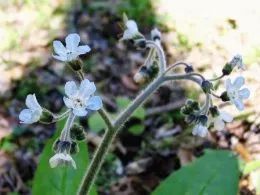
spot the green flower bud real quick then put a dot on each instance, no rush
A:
(77, 132)
(74, 148)
(203, 119)
(206, 86)
(227, 69)
(75, 65)
(224, 97)
(214, 111)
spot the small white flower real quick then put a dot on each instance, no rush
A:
(200, 130)
(80, 99)
(219, 121)
(238, 61)
(131, 30)
(235, 94)
(62, 159)
(72, 49)
(34, 111)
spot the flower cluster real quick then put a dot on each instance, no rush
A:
(79, 100)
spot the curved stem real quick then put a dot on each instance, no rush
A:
(175, 65)
(66, 129)
(162, 61)
(217, 78)
(106, 118)
(61, 116)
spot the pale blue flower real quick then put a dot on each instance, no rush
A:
(221, 119)
(81, 99)
(34, 111)
(72, 49)
(235, 94)
(131, 30)
(62, 159)
(200, 130)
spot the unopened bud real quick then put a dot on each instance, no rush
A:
(75, 65)
(227, 69)
(74, 148)
(140, 43)
(77, 132)
(190, 118)
(214, 111)
(156, 34)
(224, 97)
(203, 119)
(206, 86)
(188, 69)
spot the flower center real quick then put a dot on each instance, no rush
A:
(78, 103)
(233, 94)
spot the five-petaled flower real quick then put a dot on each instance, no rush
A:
(34, 111)
(200, 130)
(131, 30)
(81, 99)
(72, 49)
(220, 119)
(62, 159)
(235, 94)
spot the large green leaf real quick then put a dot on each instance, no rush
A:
(215, 173)
(62, 180)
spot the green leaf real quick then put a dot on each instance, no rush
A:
(123, 102)
(136, 129)
(61, 180)
(251, 166)
(214, 173)
(96, 123)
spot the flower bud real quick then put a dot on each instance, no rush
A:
(224, 97)
(77, 132)
(227, 69)
(188, 69)
(203, 119)
(46, 117)
(75, 65)
(237, 61)
(156, 34)
(191, 118)
(214, 111)
(140, 43)
(74, 148)
(206, 86)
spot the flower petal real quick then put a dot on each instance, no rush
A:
(200, 130)
(86, 88)
(59, 48)
(71, 88)
(219, 124)
(61, 58)
(68, 102)
(225, 116)
(131, 25)
(72, 42)
(239, 104)
(244, 93)
(94, 103)
(80, 112)
(54, 161)
(25, 116)
(32, 103)
(228, 84)
(83, 49)
(239, 82)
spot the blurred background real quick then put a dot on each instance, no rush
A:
(154, 142)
